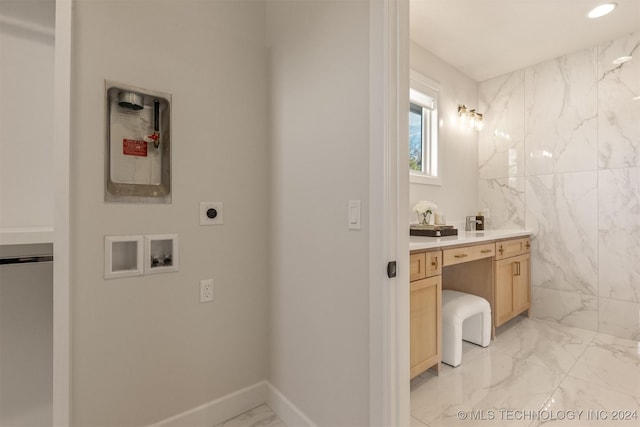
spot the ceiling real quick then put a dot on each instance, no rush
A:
(488, 38)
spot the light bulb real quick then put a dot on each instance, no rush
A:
(602, 10)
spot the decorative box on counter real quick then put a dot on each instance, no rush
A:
(432, 230)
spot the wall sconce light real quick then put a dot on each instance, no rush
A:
(470, 118)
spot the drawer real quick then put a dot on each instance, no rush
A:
(434, 263)
(468, 253)
(417, 266)
(425, 264)
(513, 247)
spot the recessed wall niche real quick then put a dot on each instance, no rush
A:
(126, 256)
(123, 256)
(161, 253)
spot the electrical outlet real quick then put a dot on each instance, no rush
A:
(211, 213)
(206, 290)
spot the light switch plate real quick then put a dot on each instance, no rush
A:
(208, 209)
(354, 214)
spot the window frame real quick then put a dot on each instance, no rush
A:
(431, 149)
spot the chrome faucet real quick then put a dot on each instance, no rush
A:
(470, 224)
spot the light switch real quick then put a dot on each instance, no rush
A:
(354, 214)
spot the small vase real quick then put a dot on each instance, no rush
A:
(425, 218)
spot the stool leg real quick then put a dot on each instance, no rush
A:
(472, 328)
(452, 343)
(487, 329)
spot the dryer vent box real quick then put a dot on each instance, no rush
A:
(138, 145)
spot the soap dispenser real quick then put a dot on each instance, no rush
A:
(480, 221)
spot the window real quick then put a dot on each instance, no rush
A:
(424, 160)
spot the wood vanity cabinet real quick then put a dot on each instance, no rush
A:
(512, 280)
(425, 311)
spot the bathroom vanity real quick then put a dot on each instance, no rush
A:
(492, 264)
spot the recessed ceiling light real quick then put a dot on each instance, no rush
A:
(637, 98)
(601, 10)
(622, 60)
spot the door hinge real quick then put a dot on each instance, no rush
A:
(391, 269)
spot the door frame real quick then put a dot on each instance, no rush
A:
(61, 233)
(389, 219)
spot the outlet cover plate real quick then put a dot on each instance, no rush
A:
(205, 219)
(206, 290)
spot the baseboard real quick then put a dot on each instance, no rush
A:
(239, 402)
(221, 409)
(286, 411)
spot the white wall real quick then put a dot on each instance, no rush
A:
(570, 172)
(26, 115)
(457, 196)
(144, 348)
(319, 301)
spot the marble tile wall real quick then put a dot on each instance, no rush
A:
(560, 155)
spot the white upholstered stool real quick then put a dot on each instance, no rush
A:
(464, 317)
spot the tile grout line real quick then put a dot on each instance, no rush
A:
(566, 374)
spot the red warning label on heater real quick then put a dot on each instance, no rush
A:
(134, 147)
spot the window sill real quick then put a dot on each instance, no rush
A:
(416, 178)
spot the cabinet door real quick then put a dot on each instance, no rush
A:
(513, 290)
(521, 285)
(503, 307)
(425, 324)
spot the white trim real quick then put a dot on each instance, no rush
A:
(220, 410)
(418, 178)
(233, 404)
(61, 233)
(380, 400)
(388, 222)
(423, 84)
(286, 411)
(401, 234)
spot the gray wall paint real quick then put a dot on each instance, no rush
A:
(319, 298)
(26, 115)
(144, 348)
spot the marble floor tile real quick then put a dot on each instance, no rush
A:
(577, 402)
(550, 344)
(534, 373)
(488, 383)
(262, 416)
(611, 362)
(417, 423)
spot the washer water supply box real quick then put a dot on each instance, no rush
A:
(138, 161)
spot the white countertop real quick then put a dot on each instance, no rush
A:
(26, 235)
(463, 238)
